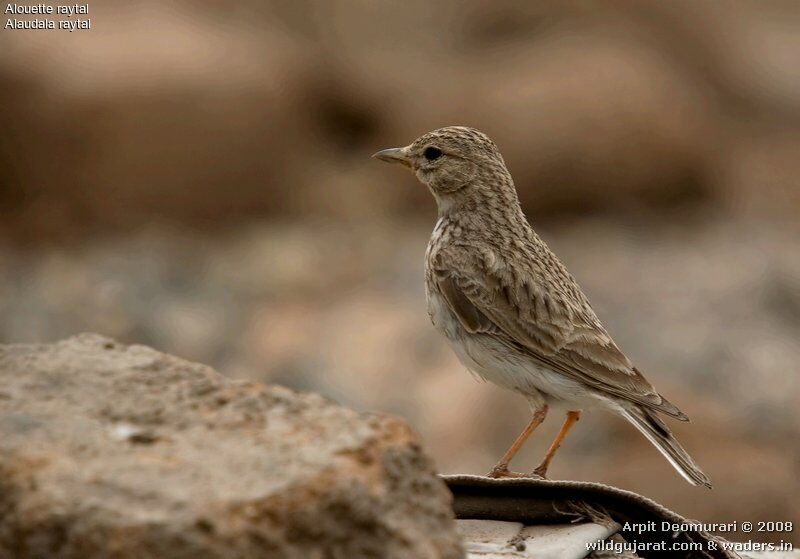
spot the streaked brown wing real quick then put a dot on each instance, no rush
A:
(563, 335)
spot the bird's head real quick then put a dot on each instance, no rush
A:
(455, 163)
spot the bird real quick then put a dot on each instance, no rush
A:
(511, 311)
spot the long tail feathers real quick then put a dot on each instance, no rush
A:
(657, 432)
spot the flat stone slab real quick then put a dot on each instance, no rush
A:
(496, 539)
(125, 452)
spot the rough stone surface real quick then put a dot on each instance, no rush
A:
(125, 452)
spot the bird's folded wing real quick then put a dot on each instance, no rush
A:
(543, 322)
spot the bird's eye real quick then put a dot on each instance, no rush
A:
(432, 153)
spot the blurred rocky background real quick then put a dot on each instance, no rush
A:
(196, 176)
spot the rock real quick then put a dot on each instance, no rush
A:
(121, 451)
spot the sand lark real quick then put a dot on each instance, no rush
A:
(510, 309)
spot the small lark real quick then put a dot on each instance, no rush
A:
(509, 308)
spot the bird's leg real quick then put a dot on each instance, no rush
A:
(572, 419)
(501, 468)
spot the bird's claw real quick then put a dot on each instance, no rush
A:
(540, 473)
(499, 472)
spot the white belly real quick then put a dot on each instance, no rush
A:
(488, 358)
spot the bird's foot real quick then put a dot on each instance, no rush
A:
(539, 472)
(500, 471)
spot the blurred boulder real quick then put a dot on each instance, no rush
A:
(114, 451)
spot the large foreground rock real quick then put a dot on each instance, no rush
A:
(124, 452)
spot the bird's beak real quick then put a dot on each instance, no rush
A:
(394, 155)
